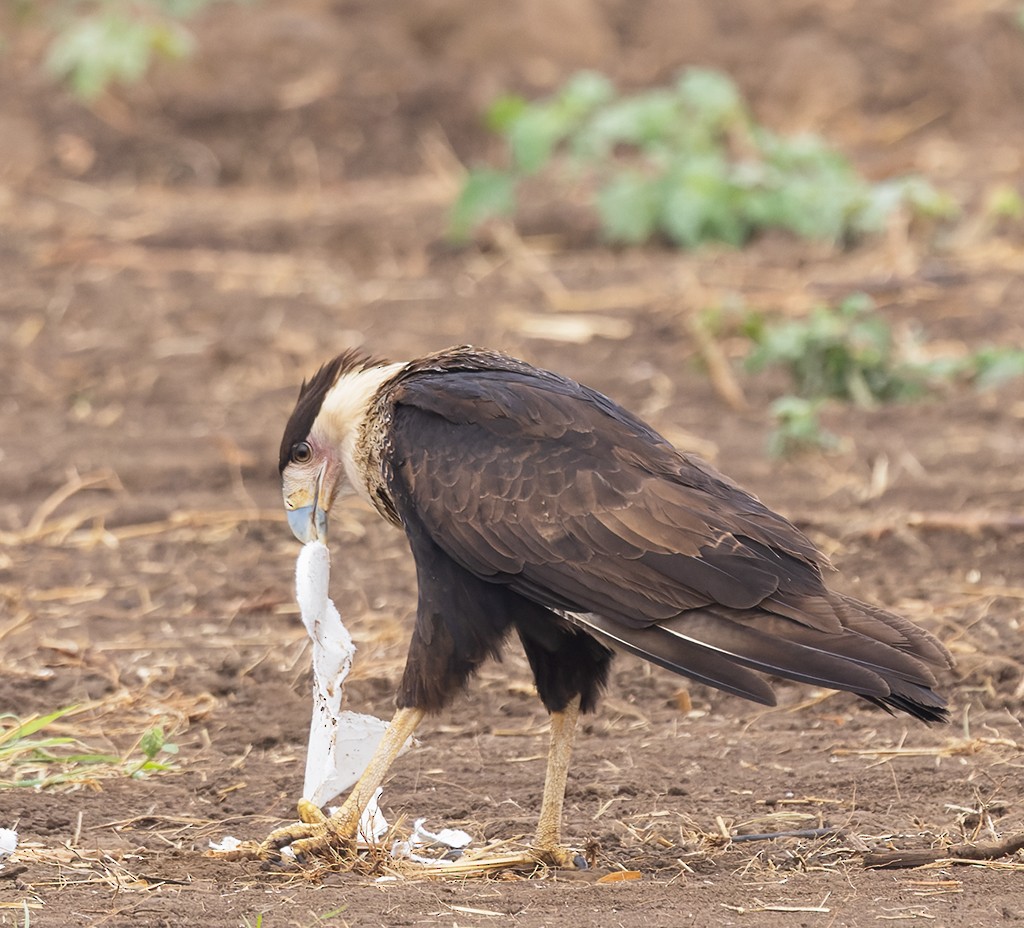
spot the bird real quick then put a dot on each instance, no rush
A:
(535, 505)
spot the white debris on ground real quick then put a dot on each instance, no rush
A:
(446, 845)
(372, 824)
(8, 844)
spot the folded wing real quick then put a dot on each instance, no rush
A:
(532, 481)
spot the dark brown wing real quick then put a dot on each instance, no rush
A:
(554, 489)
(535, 482)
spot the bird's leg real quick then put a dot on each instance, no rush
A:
(318, 835)
(547, 845)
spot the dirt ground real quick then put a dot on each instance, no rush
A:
(176, 258)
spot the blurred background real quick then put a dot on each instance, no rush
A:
(203, 200)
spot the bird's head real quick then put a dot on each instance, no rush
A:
(320, 442)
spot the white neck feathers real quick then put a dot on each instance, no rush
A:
(344, 411)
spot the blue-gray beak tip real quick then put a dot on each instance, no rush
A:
(308, 523)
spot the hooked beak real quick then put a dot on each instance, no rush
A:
(309, 523)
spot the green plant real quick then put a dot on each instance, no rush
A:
(797, 427)
(847, 353)
(100, 42)
(985, 368)
(685, 161)
(1004, 202)
(990, 366)
(152, 743)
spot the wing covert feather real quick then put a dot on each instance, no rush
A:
(564, 496)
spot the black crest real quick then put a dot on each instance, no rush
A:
(311, 398)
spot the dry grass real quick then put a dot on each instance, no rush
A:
(79, 746)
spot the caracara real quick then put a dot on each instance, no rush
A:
(535, 504)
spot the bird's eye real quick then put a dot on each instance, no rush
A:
(301, 452)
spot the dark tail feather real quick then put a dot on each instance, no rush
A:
(928, 707)
(889, 628)
(875, 654)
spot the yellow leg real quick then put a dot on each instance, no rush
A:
(335, 837)
(547, 842)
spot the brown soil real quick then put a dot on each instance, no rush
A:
(175, 259)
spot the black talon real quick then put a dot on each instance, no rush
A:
(276, 864)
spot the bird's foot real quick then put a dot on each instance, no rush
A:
(558, 857)
(315, 837)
